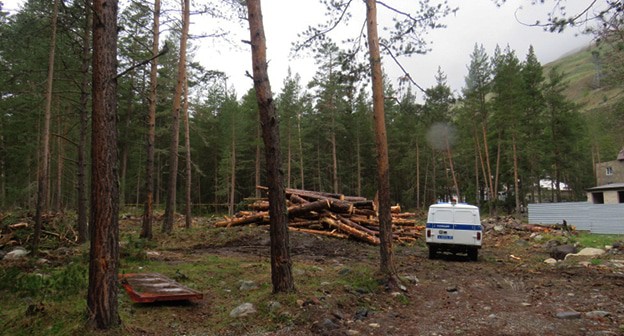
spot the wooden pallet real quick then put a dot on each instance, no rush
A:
(152, 287)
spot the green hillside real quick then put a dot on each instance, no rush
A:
(585, 88)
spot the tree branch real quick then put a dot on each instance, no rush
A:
(321, 33)
(407, 75)
(163, 51)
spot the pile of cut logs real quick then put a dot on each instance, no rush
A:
(329, 214)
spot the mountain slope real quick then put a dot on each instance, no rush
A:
(581, 71)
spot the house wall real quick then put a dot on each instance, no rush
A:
(617, 167)
(609, 196)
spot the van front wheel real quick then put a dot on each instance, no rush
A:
(473, 254)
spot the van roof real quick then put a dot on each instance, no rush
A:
(456, 206)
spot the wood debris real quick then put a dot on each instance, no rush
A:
(330, 214)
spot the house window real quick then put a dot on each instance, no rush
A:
(609, 171)
(621, 196)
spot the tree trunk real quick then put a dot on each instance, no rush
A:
(257, 166)
(418, 175)
(58, 199)
(170, 207)
(232, 191)
(187, 145)
(452, 167)
(148, 213)
(288, 154)
(387, 267)
(300, 150)
(42, 187)
(104, 228)
(123, 150)
(84, 123)
(516, 184)
(358, 162)
(281, 263)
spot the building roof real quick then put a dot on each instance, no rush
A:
(607, 187)
(621, 155)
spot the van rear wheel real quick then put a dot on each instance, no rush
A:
(432, 252)
(473, 254)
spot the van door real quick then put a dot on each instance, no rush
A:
(441, 222)
(464, 227)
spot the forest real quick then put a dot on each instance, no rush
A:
(110, 102)
(512, 122)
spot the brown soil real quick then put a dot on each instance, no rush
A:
(509, 291)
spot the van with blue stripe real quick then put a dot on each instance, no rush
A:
(454, 228)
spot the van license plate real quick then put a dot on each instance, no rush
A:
(445, 237)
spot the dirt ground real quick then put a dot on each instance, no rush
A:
(508, 291)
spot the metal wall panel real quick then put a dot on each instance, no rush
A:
(596, 218)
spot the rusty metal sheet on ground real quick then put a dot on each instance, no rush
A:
(151, 287)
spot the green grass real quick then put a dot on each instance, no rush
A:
(597, 240)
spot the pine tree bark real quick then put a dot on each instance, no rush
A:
(281, 263)
(257, 162)
(300, 150)
(170, 207)
(516, 178)
(386, 265)
(148, 213)
(104, 229)
(43, 174)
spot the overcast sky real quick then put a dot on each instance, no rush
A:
(477, 21)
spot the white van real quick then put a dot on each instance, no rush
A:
(455, 228)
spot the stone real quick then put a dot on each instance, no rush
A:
(551, 261)
(243, 310)
(569, 315)
(560, 252)
(17, 253)
(597, 314)
(590, 252)
(412, 278)
(324, 326)
(352, 332)
(247, 285)
(274, 306)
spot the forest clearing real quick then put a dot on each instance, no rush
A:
(110, 126)
(509, 291)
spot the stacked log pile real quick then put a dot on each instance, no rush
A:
(329, 214)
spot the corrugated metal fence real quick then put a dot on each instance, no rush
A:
(597, 218)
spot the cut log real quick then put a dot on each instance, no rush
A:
(403, 222)
(302, 223)
(356, 226)
(395, 209)
(309, 194)
(370, 205)
(353, 199)
(320, 232)
(296, 199)
(300, 209)
(359, 235)
(257, 218)
(404, 215)
(364, 212)
(340, 206)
